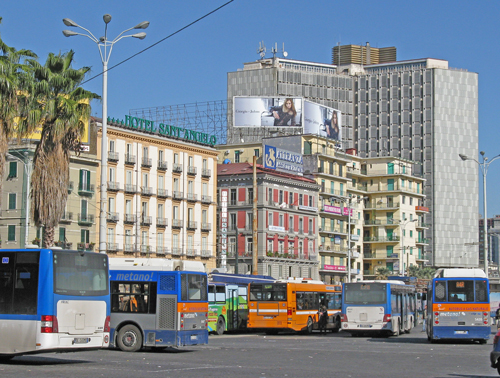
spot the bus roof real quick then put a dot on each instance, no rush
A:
(394, 282)
(117, 263)
(460, 272)
(301, 280)
(240, 278)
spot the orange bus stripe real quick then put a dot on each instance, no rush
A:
(461, 307)
(192, 307)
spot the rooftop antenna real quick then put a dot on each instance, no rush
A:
(285, 54)
(274, 50)
(261, 50)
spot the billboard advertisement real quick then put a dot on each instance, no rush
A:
(322, 120)
(267, 111)
(283, 160)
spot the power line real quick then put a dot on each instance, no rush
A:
(161, 40)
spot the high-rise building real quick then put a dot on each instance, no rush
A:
(419, 110)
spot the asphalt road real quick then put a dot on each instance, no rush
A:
(261, 356)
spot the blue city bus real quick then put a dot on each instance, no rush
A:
(53, 300)
(157, 303)
(378, 307)
(458, 305)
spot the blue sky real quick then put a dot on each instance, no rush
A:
(192, 66)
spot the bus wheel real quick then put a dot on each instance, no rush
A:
(482, 341)
(336, 326)
(309, 328)
(129, 338)
(221, 325)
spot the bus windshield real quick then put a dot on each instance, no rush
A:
(80, 274)
(461, 290)
(365, 293)
(194, 287)
(268, 292)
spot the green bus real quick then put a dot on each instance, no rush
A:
(227, 307)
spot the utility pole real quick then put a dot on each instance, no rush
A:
(255, 250)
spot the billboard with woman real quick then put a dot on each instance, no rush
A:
(322, 120)
(267, 111)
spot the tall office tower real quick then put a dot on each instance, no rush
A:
(420, 110)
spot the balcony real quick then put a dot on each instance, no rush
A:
(112, 247)
(130, 159)
(113, 156)
(130, 188)
(161, 251)
(85, 219)
(146, 220)
(162, 193)
(206, 226)
(128, 248)
(191, 252)
(161, 222)
(85, 246)
(192, 197)
(176, 195)
(85, 189)
(113, 217)
(381, 239)
(206, 173)
(146, 162)
(177, 223)
(192, 225)
(177, 168)
(191, 171)
(206, 253)
(67, 217)
(162, 165)
(177, 252)
(206, 199)
(130, 218)
(422, 241)
(146, 249)
(113, 186)
(146, 191)
(71, 186)
(381, 205)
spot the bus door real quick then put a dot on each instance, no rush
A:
(404, 311)
(166, 309)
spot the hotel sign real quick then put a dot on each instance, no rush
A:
(167, 130)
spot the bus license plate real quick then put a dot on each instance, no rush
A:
(268, 317)
(81, 340)
(364, 325)
(461, 332)
(194, 337)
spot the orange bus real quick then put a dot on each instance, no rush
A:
(293, 305)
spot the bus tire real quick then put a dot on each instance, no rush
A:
(129, 338)
(336, 326)
(221, 326)
(395, 329)
(309, 327)
(482, 341)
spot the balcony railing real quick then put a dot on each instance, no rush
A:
(162, 165)
(393, 238)
(191, 252)
(206, 199)
(113, 156)
(85, 189)
(177, 251)
(206, 226)
(161, 222)
(146, 191)
(128, 248)
(206, 172)
(130, 218)
(112, 247)
(192, 225)
(177, 168)
(67, 217)
(177, 195)
(85, 246)
(71, 186)
(161, 250)
(145, 249)
(130, 188)
(162, 193)
(191, 171)
(206, 253)
(113, 217)
(146, 220)
(146, 162)
(113, 186)
(130, 159)
(177, 223)
(192, 197)
(85, 219)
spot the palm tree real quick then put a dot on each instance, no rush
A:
(15, 79)
(62, 109)
(382, 273)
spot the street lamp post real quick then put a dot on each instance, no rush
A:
(105, 48)
(403, 223)
(484, 169)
